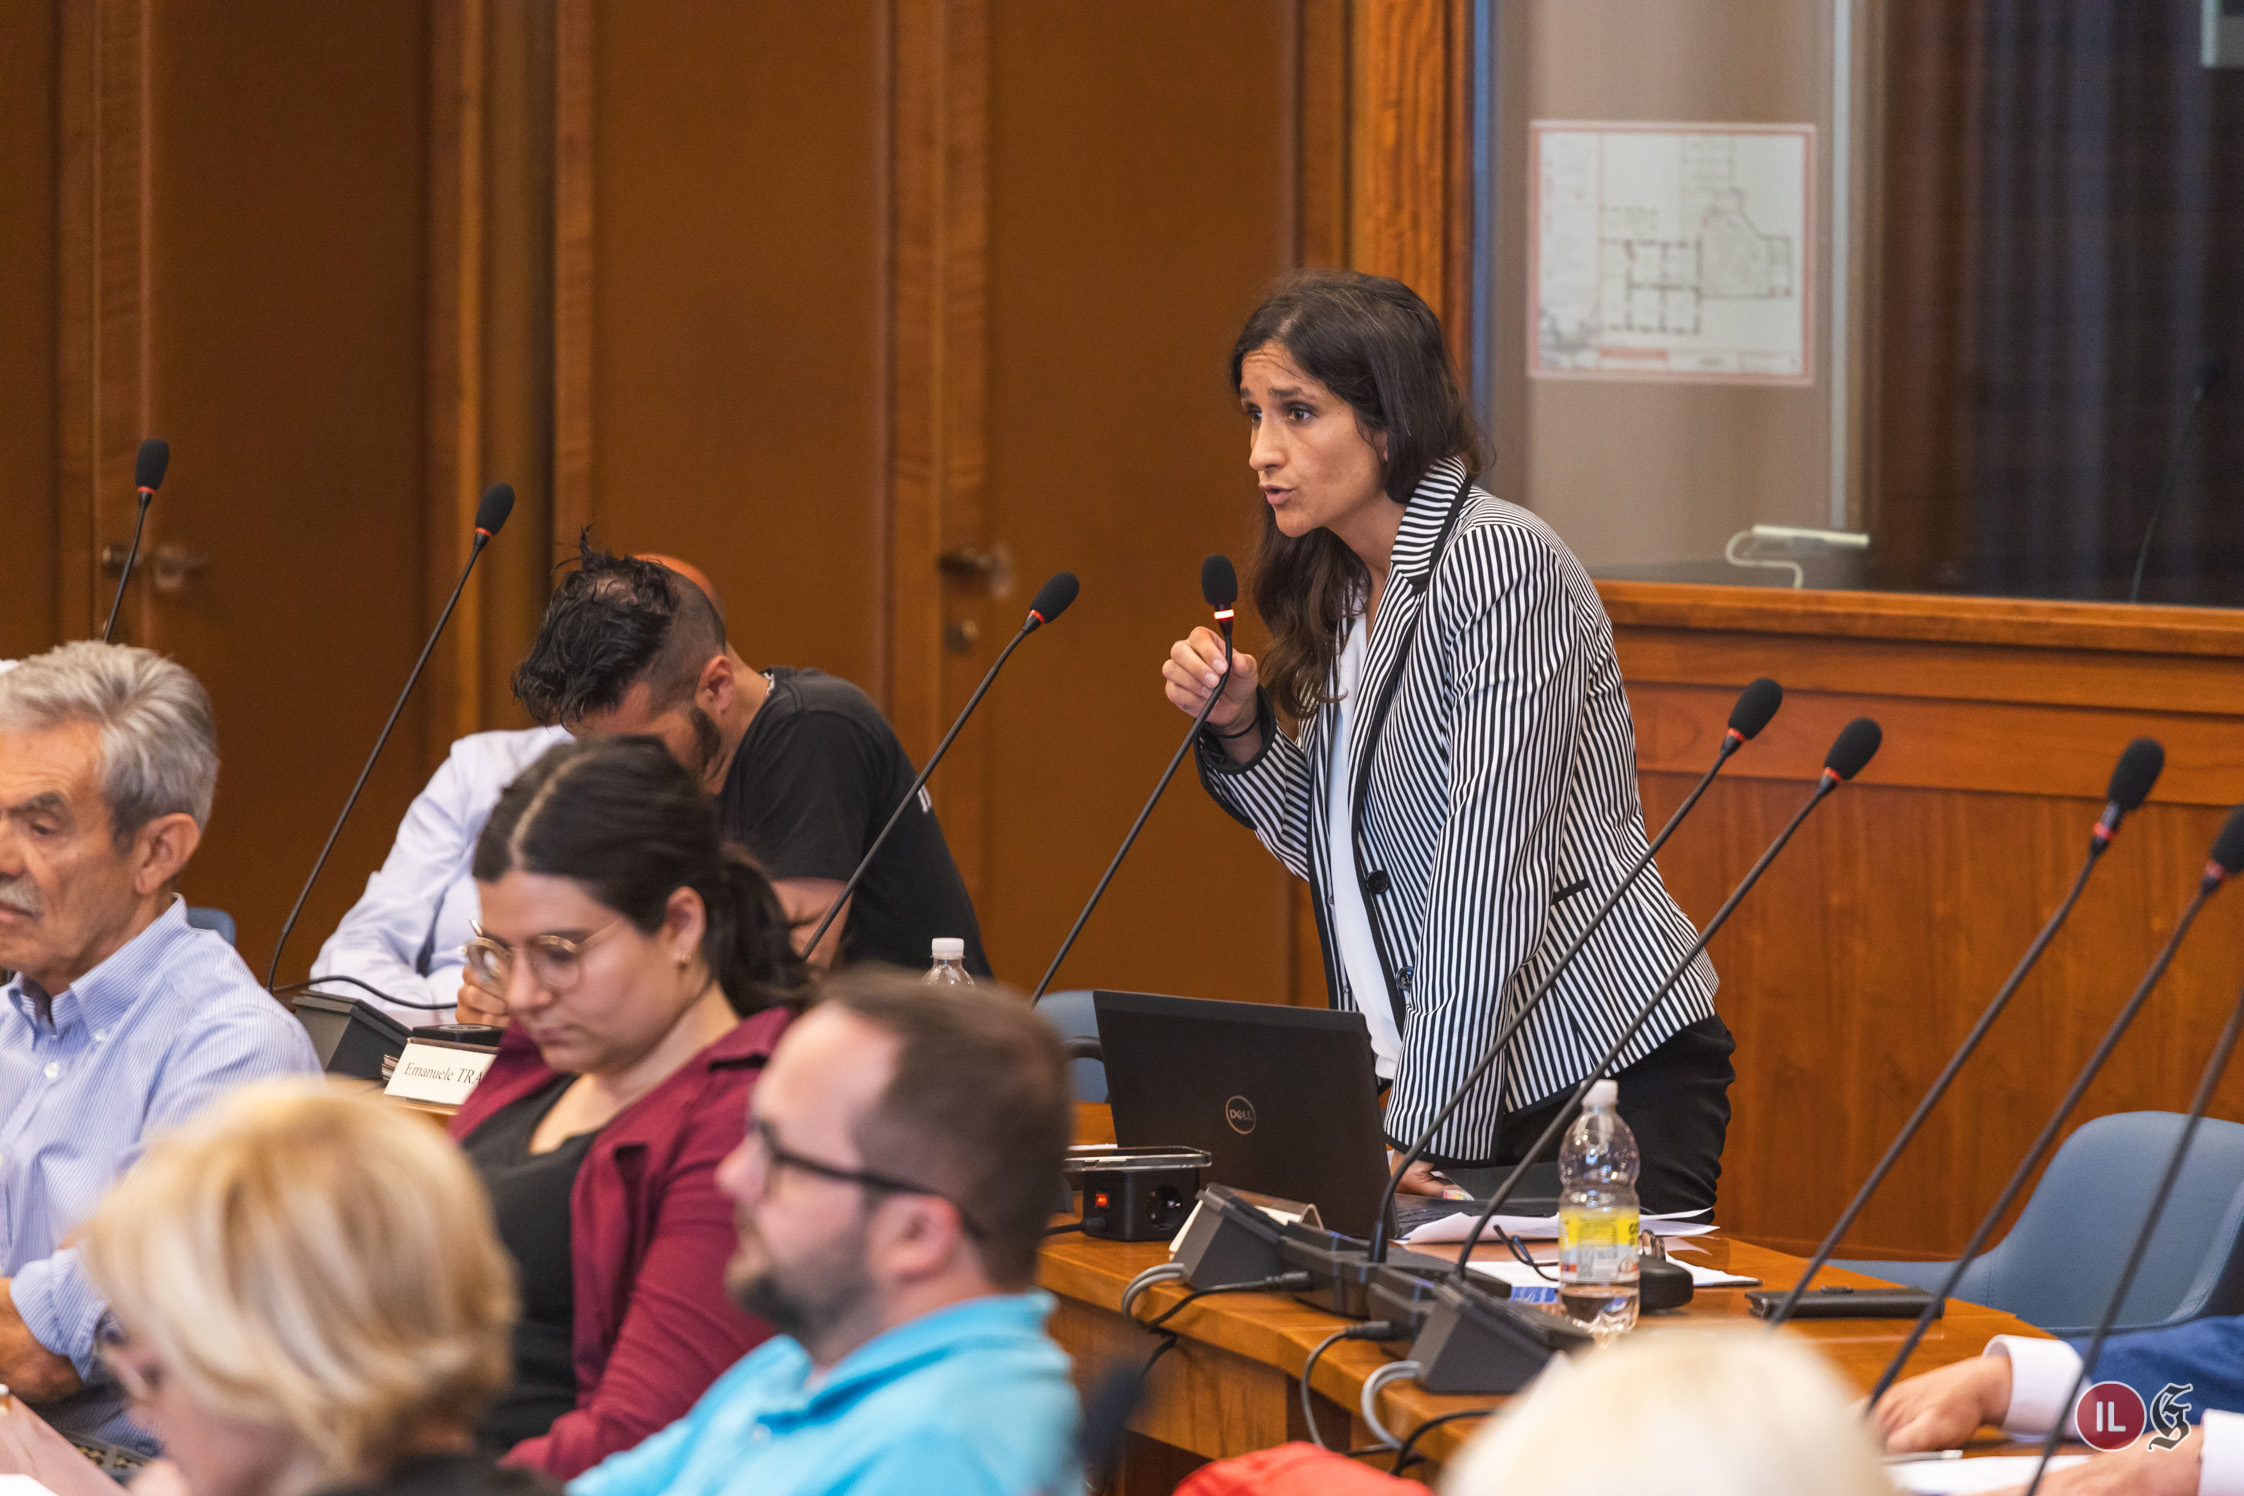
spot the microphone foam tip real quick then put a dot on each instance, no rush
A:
(1219, 582)
(1855, 746)
(148, 467)
(2228, 847)
(1757, 703)
(1053, 598)
(496, 505)
(2137, 770)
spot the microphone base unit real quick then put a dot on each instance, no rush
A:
(1340, 1268)
(1228, 1240)
(351, 1037)
(1475, 1342)
(1838, 1301)
(1662, 1285)
(1402, 1295)
(474, 1035)
(1141, 1194)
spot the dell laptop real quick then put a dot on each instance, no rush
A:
(1284, 1099)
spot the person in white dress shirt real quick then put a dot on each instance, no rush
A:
(405, 937)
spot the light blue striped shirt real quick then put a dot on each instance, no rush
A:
(143, 1041)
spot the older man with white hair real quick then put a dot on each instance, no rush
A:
(121, 1019)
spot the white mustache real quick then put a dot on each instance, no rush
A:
(20, 895)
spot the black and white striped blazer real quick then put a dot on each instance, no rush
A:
(1494, 783)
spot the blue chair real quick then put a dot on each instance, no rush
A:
(1071, 1013)
(2063, 1256)
(217, 921)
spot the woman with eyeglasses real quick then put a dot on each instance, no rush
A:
(647, 972)
(305, 1295)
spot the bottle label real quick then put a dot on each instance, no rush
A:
(1597, 1246)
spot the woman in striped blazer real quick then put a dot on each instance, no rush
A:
(1458, 783)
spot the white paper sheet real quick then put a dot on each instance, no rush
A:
(1520, 1275)
(1993, 1473)
(1545, 1228)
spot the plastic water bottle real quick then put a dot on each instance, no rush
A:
(949, 969)
(1597, 1217)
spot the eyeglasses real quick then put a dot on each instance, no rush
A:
(555, 960)
(779, 1157)
(115, 1349)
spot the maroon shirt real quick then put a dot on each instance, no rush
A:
(649, 1236)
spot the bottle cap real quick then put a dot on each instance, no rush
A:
(1605, 1093)
(949, 948)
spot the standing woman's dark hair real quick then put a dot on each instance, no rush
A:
(1375, 344)
(621, 818)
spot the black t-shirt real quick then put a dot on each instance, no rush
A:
(530, 1194)
(816, 777)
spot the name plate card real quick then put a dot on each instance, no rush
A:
(438, 1072)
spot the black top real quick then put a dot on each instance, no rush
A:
(454, 1475)
(530, 1198)
(816, 777)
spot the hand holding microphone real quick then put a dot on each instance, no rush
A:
(1194, 668)
(1209, 679)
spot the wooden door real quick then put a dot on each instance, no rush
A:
(220, 165)
(1141, 197)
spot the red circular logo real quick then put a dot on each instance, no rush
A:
(2110, 1415)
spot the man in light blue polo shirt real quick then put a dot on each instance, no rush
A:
(890, 1197)
(121, 1019)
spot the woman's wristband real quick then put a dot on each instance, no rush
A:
(1253, 726)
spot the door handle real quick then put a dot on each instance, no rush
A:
(992, 568)
(172, 566)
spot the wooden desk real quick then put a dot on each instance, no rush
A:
(1231, 1385)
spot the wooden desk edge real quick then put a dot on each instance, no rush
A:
(1278, 1332)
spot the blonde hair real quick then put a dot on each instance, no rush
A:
(316, 1261)
(1687, 1413)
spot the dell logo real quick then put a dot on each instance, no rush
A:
(1239, 1112)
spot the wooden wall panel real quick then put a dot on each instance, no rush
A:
(734, 339)
(1138, 208)
(30, 40)
(284, 334)
(1869, 950)
(1409, 159)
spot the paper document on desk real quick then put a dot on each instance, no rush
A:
(1544, 1228)
(1520, 1275)
(1994, 1473)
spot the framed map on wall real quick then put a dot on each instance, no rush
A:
(1671, 251)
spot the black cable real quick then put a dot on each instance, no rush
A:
(1281, 1283)
(1063, 1228)
(1407, 1451)
(1377, 1329)
(313, 986)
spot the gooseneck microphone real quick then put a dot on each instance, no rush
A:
(1051, 600)
(147, 475)
(2226, 860)
(2209, 376)
(2131, 782)
(2215, 1065)
(1857, 742)
(1756, 704)
(490, 515)
(1219, 585)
